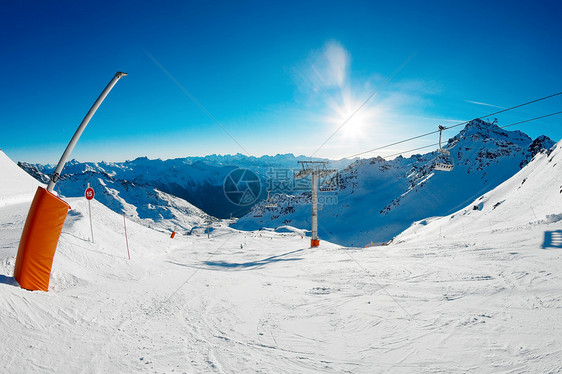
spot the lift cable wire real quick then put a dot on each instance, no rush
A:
(502, 127)
(196, 102)
(363, 104)
(532, 119)
(457, 125)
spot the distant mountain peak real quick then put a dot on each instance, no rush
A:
(480, 130)
(540, 143)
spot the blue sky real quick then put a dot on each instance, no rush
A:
(280, 77)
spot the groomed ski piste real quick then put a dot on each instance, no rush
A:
(476, 291)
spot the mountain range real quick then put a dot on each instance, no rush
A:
(373, 200)
(173, 194)
(376, 199)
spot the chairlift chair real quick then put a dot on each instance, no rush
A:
(258, 213)
(329, 185)
(269, 203)
(443, 161)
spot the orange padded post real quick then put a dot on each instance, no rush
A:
(173, 234)
(314, 243)
(39, 240)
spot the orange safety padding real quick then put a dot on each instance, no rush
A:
(39, 240)
(314, 243)
(173, 234)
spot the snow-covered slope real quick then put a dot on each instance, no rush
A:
(15, 186)
(142, 203)
(263, 302)
(378, 199)
(532, 196)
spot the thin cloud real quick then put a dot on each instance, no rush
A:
(484, 104)
(326, 68)
(352, 111)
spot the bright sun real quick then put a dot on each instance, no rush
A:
(345, 110)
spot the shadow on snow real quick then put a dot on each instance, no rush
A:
(11, 281)
(258, 263)
(552, 239)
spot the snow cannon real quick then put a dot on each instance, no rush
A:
(46, 217)
(39, 240)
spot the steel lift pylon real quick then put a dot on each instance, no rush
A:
(316, 169)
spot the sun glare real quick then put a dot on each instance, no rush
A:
(354, 123)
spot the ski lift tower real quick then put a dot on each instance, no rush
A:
(316, 169)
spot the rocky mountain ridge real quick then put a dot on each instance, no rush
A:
(376, 199)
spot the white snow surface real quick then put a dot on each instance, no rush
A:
(15, 186)
(478, 292)
(531, 197)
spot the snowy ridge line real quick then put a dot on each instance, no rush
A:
(184, 192)
(391, 194)
(15, 187)
(531, 198)
(436, 144)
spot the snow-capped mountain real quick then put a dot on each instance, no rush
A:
(198, 180)
(374, 201)
(141, 203)
(531, 197)
(377, 199)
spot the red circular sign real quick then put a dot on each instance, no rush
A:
(90, 193)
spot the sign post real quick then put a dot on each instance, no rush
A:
(126, 239)
(90, 193)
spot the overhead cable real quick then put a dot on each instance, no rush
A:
(459, 124)
(502, 127)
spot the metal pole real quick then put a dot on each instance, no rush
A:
(80, 130)
(314, 208)
(90, 211)
(126, 239)
(441, 128)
